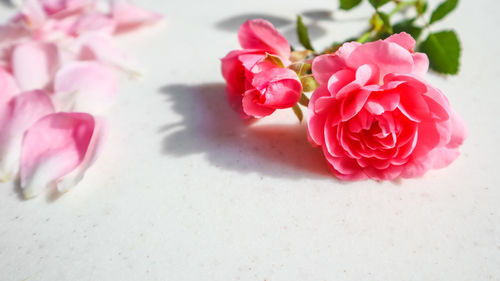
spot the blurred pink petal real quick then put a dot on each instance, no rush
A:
(101, 47)
(33, 13)
(85, 87)
(58, 149)
(8, 86)
(34, 64)
(129, 17)
(261, 34)
(93, 22)
(16, 116)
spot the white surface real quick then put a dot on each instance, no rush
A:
(186, 191)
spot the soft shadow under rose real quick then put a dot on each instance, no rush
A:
(210, 126)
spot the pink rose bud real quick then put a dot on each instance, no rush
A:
(374, 116)
(258, 81)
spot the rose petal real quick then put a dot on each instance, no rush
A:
(85, 87)
(280, 86)
(389, 57)
(54, 147)
(403, 39)
(261, 34)
(252, 105)
(34, 64)
(8, 86)
(19, 114)
(324, 66)
(129, 17)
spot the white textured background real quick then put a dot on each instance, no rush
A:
(186, 191)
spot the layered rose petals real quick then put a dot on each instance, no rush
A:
(16, 116)
(57, 146)
(258, 81)
(58, 63)
(375, 117)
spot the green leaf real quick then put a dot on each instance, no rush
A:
(408, 26)
(303, 34)
(378, 3)
(421, 6)
(298, 112)
(309, 84)
(443, 50)
(387, 27)
(349, 4)
(442, 10)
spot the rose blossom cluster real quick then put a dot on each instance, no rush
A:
(58, 75)
(373, 114)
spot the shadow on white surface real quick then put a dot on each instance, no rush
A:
(211, 127)
(287, 25)
(6, 3)
(233, 23)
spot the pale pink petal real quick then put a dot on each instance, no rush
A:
(93, 22)
(129, 17)
(459, 130)
(63, 8)
(33, 13)
(101, 47)
(389, 57)
(8, 86)
(261, 34)
(16, 116)
(34, 64)
(420, 64)
(403, 39)
(57, 146)
(85, 87)
(324, 66)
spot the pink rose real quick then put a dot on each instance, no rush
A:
(375, 116)
(257, 84)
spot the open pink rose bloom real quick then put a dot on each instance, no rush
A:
(258, 81)
(58, 75)
(374, 116)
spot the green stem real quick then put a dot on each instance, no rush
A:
(401, 5)
(363, 38)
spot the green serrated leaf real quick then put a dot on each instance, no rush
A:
(443, 50)
(378, 3)
(298, 112)
(349, 4)
(442, 10)
(303, 34)
(408, 26)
